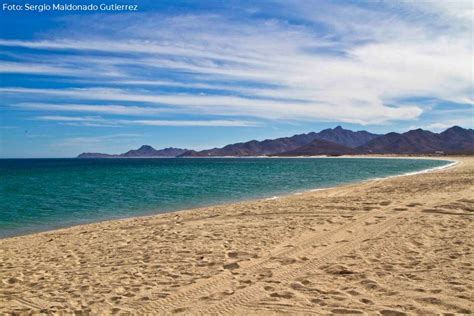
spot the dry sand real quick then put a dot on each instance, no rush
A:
(394, 246)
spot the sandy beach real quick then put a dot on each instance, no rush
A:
(396, 246)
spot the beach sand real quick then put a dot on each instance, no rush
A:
(393, 246)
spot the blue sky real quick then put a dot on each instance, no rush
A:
(200, 74)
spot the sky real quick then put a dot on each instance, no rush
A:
(203, 74)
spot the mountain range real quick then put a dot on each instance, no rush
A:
(286, 145)
(334, 142)
(454, 140)
(143, 151)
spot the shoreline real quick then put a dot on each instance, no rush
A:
(401, 245)
(452, 164)
(402, 156)
(287, 194)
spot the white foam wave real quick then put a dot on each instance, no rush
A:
(449, 165)
(272, 198)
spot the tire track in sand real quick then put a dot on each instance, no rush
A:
(195, 291)
(254, 292)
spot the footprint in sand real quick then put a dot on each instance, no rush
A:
(370, 284)
(179, 310)
(284, 294)
(297, 286)
(366, 301)
(346, 311)
(389, 312)
(338, 269)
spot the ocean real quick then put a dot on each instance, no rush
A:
(44, 194)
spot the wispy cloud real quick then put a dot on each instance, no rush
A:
(441, 126)
(353, 65)
(90, 108)
(98, 121)
(233, 105)
(92, 141)
(12, 67)
(70, 118)
(220, 123)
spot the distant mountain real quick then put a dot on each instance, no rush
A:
(346, 137)
(144, 151)
(320, 147)
(335, 141)
(256, 148)
(458, 139)
(337, 135)
(148, 151)
(455, 140)
(96, 155)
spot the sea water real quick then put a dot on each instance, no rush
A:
(43, 194)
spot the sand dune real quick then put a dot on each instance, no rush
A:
(391, 247)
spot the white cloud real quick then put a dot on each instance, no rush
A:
(92, 142)
(97, 121)
(90, 108)
(70, 118)
(56, 69)
(11, 67)
(232, 105)
(366, 60)
(443, 125)
(220, 123)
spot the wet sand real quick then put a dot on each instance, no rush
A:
(392, 246)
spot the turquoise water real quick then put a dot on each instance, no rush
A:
(42, 194)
